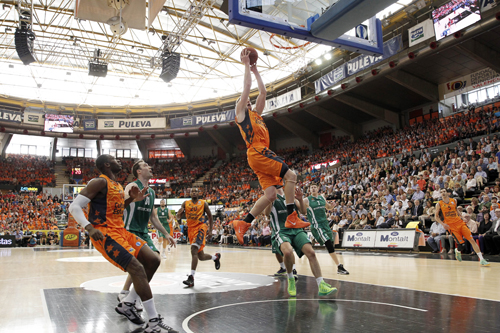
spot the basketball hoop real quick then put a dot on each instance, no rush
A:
(286, 47)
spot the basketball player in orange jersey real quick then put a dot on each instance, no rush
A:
(269, 168)
(197, 232)
(121, 248)
(447, 215)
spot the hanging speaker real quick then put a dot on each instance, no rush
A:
(24, 40)
(170, 66)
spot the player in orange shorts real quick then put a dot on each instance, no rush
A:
(448, 216)
(269, 168)
(106, 200)
(197, 232)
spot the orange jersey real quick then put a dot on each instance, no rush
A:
(106, 210)
(449, 211)
(254, 130)
(194, 212)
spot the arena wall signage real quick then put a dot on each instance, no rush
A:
(35, 189)
(488, 4)
(131, 123)
(12, 117)
(381, 238)
(324, 165)
(33, 118)
(205, 119)
(7, 241)
(469, 82)
(283, 100)
(89, 124)
(158, 181)
(421, 32)
(391, 47)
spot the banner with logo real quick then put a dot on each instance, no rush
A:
(30, 188)
(359, 238)
(9, 116)
(283, 100)
(488, 4)
(204, 119)
(391, 47)
(131, 123)
(395, 238)
(421, 32)
(469, 82)
(33, 118)
(89, 124)
(7, 241)
(328, 80)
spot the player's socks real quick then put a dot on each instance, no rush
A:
(480, 255)
(290, 208)
(290, 275)
(319, 280)
(249, 218)
(150, 308)
(193, 272)
(294, 222)
(240, 228)
(133, 298)
(282, 265)
(122, 295)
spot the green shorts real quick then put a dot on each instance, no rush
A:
(145, 237)
(296, 237)
(274, 246)
(322, 234)
(167, 227)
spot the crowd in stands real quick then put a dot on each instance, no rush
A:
(21, 214)
(90, 171)
(27, 170)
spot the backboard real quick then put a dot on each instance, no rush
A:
(346, 24)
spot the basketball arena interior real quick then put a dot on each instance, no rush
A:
(381, 118)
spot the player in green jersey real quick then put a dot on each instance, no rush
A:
(167, 219)
(289, 240)
(316, 206)
(137, 216)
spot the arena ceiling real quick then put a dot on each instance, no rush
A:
(210, 66)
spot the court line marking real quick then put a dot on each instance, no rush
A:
(185, 323)
(46, 316)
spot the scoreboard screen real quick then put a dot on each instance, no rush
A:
(76, 173)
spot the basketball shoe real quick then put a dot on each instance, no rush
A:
(156, 325)
(240, 228)
(294, 222)
(128, 310)
(190, 281)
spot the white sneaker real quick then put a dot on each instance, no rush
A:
(122, 295)
(138, 305)
(163, 255)
(156, 325)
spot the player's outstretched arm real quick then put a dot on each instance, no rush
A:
(299, 201)
(260, 104)
(76, 208)
(241, 105)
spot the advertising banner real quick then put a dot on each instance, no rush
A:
(421, 32)
(395, 238)
(283, 100)
(204, 119)
(89, 124)
(12, 117)
(131, 123)
(391, 47)
(33, 118)
(8, 241)
(359, 238)
(488, 4)
(469, 82)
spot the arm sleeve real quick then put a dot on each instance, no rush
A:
(76, 209)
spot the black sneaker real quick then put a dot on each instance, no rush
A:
(295, 275)
(156, 325)
(342, 270)
(281, 272)
(190, 281)
(128, 310)
(217, 261)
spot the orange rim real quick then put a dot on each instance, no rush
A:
(285, 47)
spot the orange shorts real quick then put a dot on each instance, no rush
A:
(460, 231)
(197, 236)
(269, 167)
(118, 246)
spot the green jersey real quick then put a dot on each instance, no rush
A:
(136, 215)
(162, 214)
(316, 212)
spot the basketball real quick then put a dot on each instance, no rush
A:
(253, 55)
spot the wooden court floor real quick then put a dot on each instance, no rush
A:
(74, 290)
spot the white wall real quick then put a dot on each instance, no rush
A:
(290, 143)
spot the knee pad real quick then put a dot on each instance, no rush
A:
(329, 246)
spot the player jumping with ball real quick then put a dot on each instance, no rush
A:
(269, 168)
